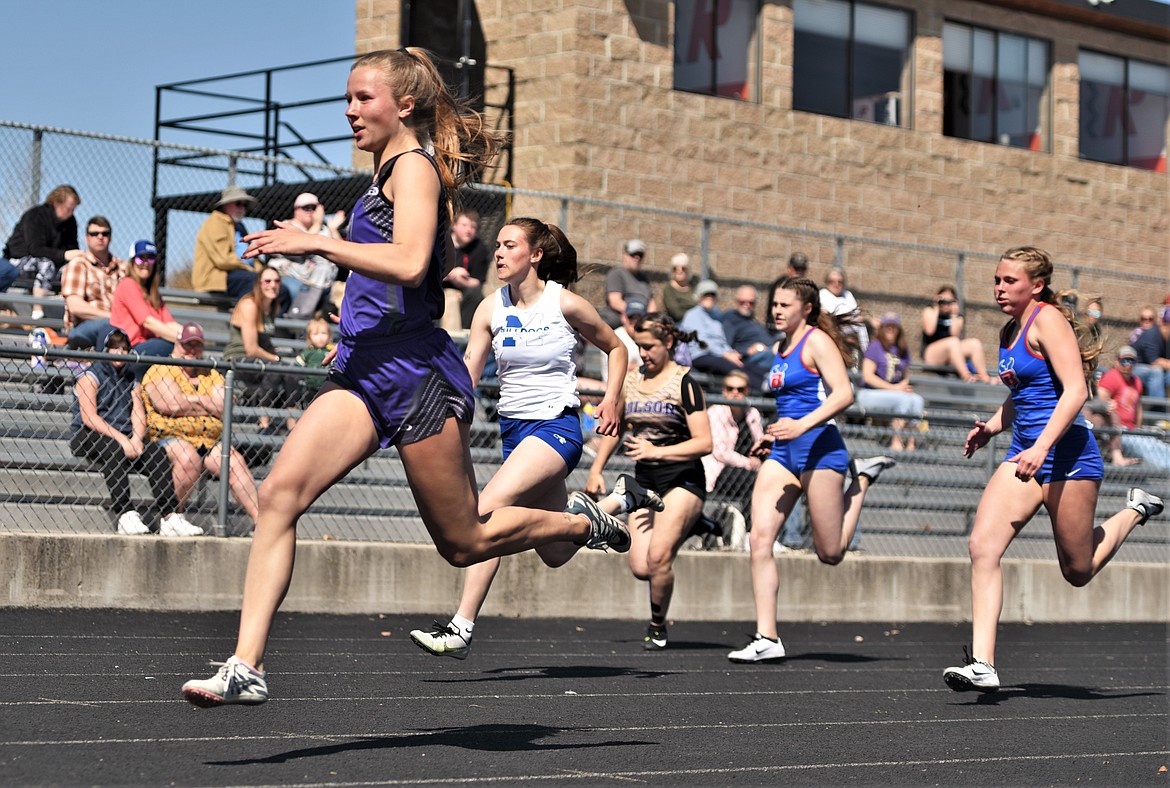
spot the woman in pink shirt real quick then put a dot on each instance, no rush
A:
(138, 309)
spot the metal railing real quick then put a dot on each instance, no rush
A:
(52, 484)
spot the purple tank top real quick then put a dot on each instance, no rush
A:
(373, 309)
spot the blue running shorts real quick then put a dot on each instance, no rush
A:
(562, 433)
(1075, 456)
(819, 448)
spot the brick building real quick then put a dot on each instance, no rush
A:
(963, 124)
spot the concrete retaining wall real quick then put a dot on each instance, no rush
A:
(364, 577)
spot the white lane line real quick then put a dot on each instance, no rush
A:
(337, 737)
(591, 672)
(741, 770)
(550, 695)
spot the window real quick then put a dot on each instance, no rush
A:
(1124, 107)
(851, 60)
(716, 47)
(994, 86)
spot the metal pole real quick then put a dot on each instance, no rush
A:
(225, 455)
(565, 214)
(233, 164)
(839, 253)
(960, 265)
(35, 165)
(705, 248)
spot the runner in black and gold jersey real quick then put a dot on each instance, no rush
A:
(665, 432)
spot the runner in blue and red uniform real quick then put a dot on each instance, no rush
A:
(811, 384)
(397, 380)
(1053, 458)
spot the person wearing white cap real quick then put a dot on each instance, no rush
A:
(625, 282)
(308, 278)
(217, 267)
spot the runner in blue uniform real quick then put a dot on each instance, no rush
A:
(811, 384)
(1053, 458)
(397, 380)
(531, 326)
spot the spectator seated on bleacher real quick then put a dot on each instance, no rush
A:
(43, 240)
(885, 383)
(730, 468)
(309, 278)
(319, 343)
(836, 300)
(218, 267)
(1147, 318)
(253, 322)
(635, 309)
(747, 336)
(710, 351)
(109, 429)
(138, 308)
(1153, 356)
(184, 414)
(1118, 405)
(943, 343)
(87, 286)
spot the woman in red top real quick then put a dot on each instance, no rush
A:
(138, 309)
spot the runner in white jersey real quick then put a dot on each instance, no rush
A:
(531, 325)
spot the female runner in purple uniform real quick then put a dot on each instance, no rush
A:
(1053, 458)
(397, 379)
(807, 453)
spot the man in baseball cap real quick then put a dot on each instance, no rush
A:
(191, 333)
(625, 282)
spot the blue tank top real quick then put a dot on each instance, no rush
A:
(1034, 388)
(373, 309)
(797, 388)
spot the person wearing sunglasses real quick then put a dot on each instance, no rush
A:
(626, 281)
(253, 323)
(308, 278)
(87, 285)
(1118, 404)
(218, 267)
(138, 307)
(943, 344)
(1153, 356)
(730, 468)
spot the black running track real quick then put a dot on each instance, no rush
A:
(93, 698)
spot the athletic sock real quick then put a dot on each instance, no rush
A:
(625, 503)
(464, 626)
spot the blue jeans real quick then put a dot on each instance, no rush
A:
(87, 333)
(8, 274)
(1154, 380)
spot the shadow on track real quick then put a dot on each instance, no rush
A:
(491, 738)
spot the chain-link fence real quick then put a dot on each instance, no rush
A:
(54, 483)
(62, 475)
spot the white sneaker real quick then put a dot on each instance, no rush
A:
(735, 530)
(175, 524)
(872, 467)
(236, 682)
(443, 640)
(761, 649)
(1143, 503)
(130, 524)
(973, 675)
